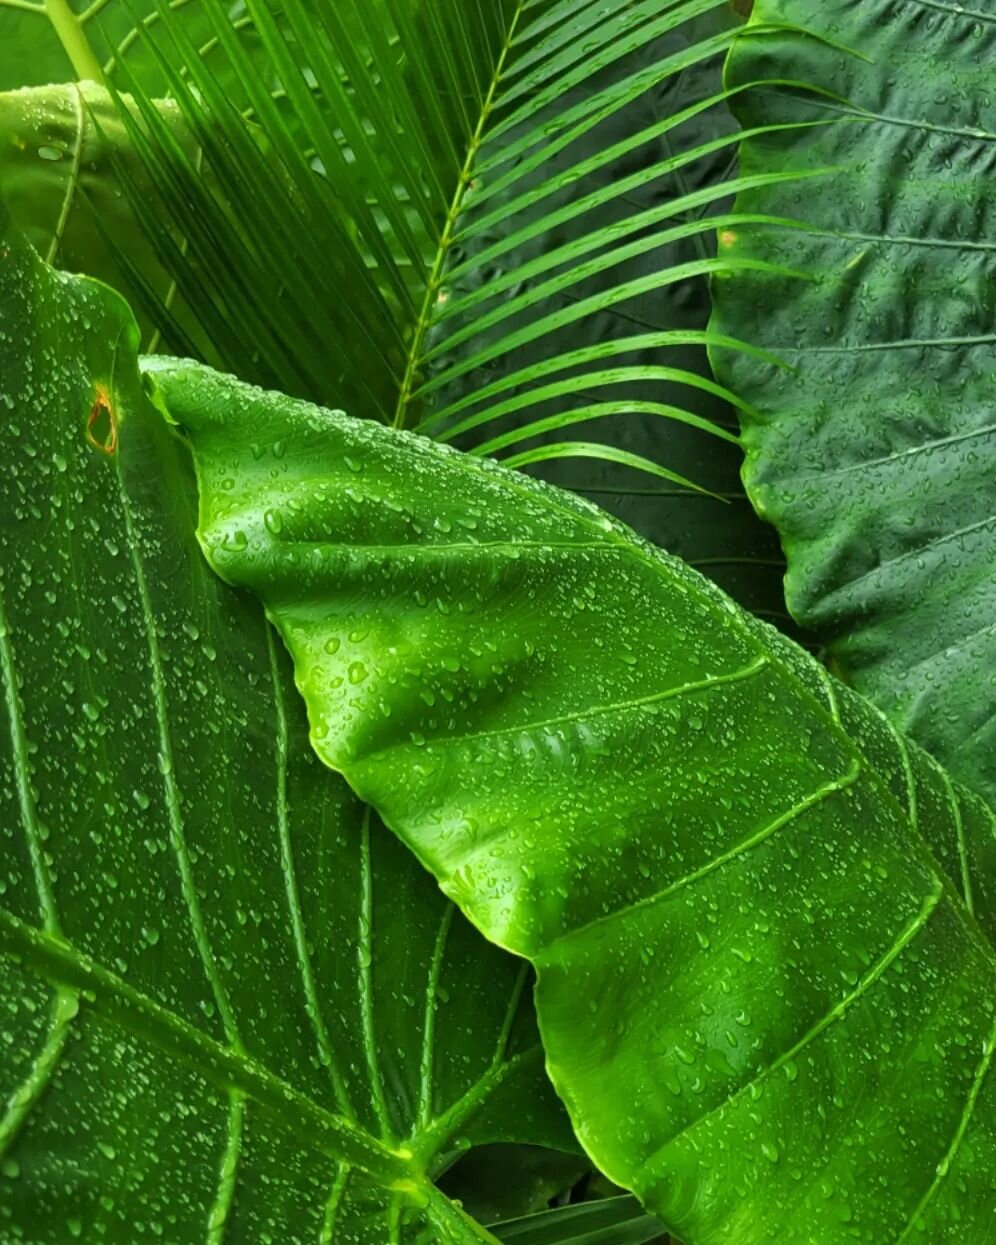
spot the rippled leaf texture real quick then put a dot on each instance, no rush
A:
(875, 458)
(769, 1012)
(232, 1006)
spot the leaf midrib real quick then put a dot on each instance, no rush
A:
(415, 349)
(109, 996)
(69, 28)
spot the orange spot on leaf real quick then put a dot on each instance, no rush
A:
(727, 237)
(102, 425)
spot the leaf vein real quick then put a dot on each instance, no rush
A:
(72, 181)
(228, 1066)
(228, 1169)
(429, 1027)
(594, 711)
(837, 1012)
(29, 1092)
(22, 777)
(717, 862)
(171, 793)
(364, 955)
(312, 1005)
(337, 1193)
(944, 1166)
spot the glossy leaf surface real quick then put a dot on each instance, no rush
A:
(232, 1006)
(768, 1009)
(875, 456)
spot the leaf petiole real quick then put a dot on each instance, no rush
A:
(69, 28)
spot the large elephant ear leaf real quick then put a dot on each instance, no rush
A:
(874, 456)
(232, 1006)
(768, 1008)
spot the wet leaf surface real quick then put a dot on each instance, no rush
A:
(766, 1005)
(232, 1006)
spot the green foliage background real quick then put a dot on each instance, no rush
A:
(760, 917)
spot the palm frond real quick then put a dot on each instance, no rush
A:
(493, 229)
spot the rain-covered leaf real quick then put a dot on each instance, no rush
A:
(768, 1007)
(875, 456)
(232, 1006)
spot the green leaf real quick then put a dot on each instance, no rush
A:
(613, 1221)
(231, 1004)
(481, 180)
(767, 1007)
(60, 151)
(505, 1181)
(613, 374)
(463, 217)
(874, 456)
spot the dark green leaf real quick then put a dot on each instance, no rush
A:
(231, 1004)
(502, 1181)
(768, 1009)
(875, 456)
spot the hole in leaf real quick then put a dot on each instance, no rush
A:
(102, 425)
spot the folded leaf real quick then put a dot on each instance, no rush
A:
(875, 456)
(231, 1004)
(767, 1007)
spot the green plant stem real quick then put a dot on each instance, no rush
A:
(69, 28)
